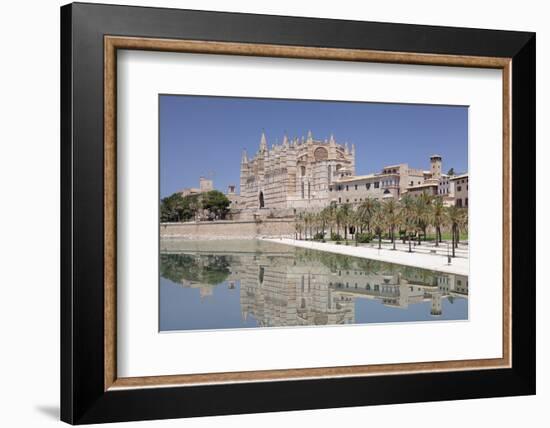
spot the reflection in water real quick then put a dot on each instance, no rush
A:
(242, 284)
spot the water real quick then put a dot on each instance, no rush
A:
(248, 284)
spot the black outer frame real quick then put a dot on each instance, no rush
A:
(83, 399)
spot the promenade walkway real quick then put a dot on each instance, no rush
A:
(421, 259)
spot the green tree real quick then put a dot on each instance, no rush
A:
(299, 226)
(366, 211)
(408, 223)
(422, 214)
(437, 218)
(392, 214)
(379, 224)
(206, 269)
(172, 208)
(216, 203)
(455, 217)
(344, 213)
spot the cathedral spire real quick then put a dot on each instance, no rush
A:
(285, 141)
(263, 143)
(309, 137)
(244, 157)
(332, 141)
(346, 148)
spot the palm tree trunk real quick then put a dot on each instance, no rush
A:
(380, 240)
(453, 235)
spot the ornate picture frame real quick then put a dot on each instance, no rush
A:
(91, 389)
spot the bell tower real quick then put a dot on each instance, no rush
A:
(435, 163)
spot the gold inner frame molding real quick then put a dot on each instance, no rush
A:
(113, 43)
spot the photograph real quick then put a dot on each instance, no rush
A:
(295, 213)
(269, 210)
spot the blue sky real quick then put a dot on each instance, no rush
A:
(203, 136)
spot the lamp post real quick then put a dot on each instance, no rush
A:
(448, 254)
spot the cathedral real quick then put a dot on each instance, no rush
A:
(296, 174)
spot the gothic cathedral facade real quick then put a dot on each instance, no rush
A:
(295, 174)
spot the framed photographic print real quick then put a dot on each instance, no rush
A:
(265, 213)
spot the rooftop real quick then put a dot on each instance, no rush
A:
(459, 176)
(357, 177)
(422, 186)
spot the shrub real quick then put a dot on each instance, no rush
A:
(364, 238)
(319, 236)
(338, 242)
(335, 237)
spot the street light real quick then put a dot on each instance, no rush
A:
(448, 254)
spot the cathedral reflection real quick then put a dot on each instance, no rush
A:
(298, 287)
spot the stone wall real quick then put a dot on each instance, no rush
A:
(227, 229)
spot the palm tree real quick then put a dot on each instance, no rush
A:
(463, 224)
(298, 226)
(344, 217)
(331, 216)
(338, 219)
(391, 211)
(324, 219)
(366, 211)
(308, 224)
(355, 221)
(379, 224)
(422, 214)
(407, 216)
(455, 217)
(437, 218)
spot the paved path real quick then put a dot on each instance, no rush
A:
(459, 266)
